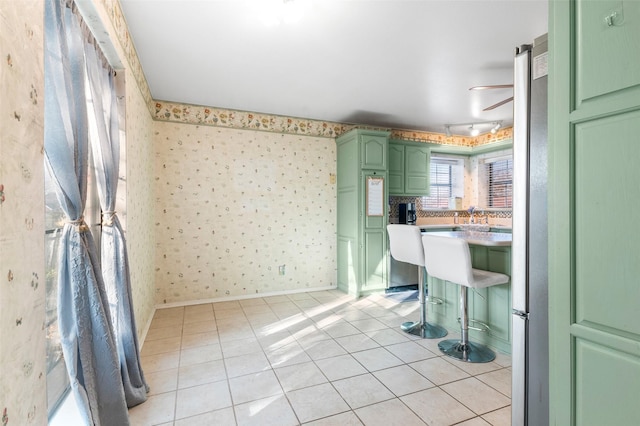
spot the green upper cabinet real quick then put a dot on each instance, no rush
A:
(409, 168)
(373, 150)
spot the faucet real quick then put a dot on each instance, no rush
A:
(486, 218)
(471, 210)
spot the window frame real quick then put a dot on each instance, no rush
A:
(455, 185)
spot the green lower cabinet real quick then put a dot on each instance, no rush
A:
(491, 306)
(375, 265)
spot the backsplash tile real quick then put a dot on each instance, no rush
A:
(394, 201)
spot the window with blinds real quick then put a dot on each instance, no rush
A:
(446, 181)
(498, 174)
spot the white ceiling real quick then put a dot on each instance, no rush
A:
(387, 63)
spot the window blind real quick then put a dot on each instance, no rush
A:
(499, 183)
(446, 178)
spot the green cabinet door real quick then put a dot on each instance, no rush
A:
(396, 169)
(409, 165)
(374, 265)
(373, 151)
(416, 172)
(594, 272)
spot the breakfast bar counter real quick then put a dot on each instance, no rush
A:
(479, 238)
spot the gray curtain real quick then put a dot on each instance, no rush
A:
(83, 313)
(105, 143)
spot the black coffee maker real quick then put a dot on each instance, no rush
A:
(407, 213)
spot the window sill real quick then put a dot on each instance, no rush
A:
(67, 413)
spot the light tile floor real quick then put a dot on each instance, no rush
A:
(317, 358)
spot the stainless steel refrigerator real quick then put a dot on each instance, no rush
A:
(529, 272)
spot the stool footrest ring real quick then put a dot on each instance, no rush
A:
(484, 327)
(434, 300)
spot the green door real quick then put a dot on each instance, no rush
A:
(594, 199)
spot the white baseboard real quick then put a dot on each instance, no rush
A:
(242, 297)
(143, 335)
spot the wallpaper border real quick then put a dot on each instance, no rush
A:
(219, 117)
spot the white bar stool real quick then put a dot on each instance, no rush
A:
(449, 259)
(406, 246)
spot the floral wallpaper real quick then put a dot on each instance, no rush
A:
(140, 231)
(242, 212)
(22, 281)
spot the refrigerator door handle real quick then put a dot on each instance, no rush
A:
(521, 129)
(521, 314)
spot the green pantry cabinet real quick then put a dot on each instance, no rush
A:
(366, 156)
(362, 211)
(408, 168)
(491, 306)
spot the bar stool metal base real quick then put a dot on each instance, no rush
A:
(469, 352)
(424, 330)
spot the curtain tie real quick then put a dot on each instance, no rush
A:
(79, 224)
(107, 218)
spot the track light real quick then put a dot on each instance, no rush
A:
(475, 128)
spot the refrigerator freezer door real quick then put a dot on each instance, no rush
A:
(519, 246)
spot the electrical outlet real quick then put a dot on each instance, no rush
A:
(332, 178)
(281, 269)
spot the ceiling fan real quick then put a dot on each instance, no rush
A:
(495, 86)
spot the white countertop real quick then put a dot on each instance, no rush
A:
(479, 238)
(443, 226)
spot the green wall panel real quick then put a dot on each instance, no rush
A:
(605, 53)
(347, 222)
(607, 196)
(606, 379)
